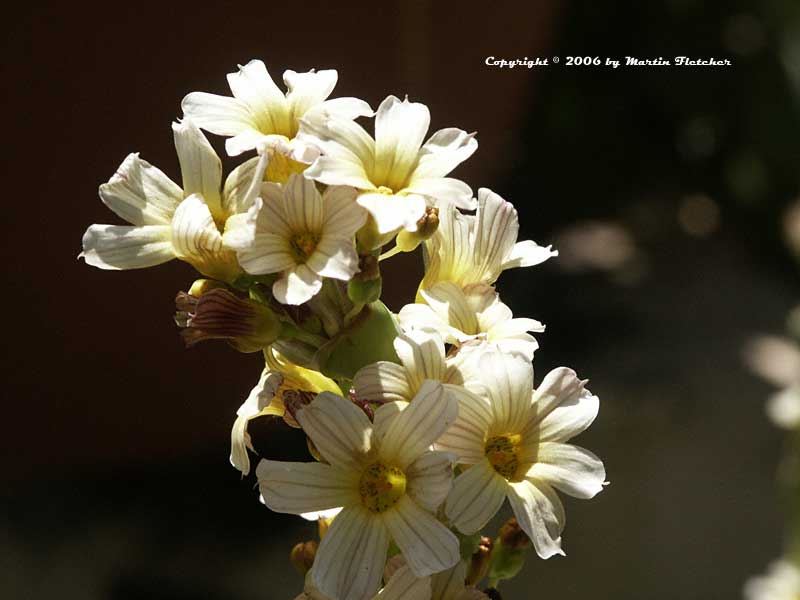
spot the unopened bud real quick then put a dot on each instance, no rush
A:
(512, 536)
(426, 227)
(323, 524)
(218, 313)
(364, 292)
(201, 286)
(479, 561)
(508, 553)
(302, 556)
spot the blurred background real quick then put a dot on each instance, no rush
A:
(671, 192)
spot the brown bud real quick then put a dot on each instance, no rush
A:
(479, 562)
(302, 556)
(512, 537)
(426, 227)
(219, 313)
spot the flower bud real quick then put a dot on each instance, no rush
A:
(426, 227)
(302, 556)
(479, 562)
(508, 553)
(218, 313)
(512, 536)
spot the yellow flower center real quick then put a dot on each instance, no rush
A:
(303, 245)
(281, 167)
(381, 487)
(503, 454)
(385, 190)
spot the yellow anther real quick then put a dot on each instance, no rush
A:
(303, 244)
(503, 454)
(381, 487)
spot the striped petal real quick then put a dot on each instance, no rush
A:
(339, 429)
(197, 240)
(382, 381)
(477, 495)
(342, 216)
(413, 431)
(508, 379)
(540, 514)
(562, 407)
(427, 545)
(296, 488)
(221, 115)
(466, 438)
(297, 286)
(350, 559)
(302, 205)
(404, 585)
(449, 302)
(140, 193)
(116, 247)
(430, 478)
(444, 151)
(201, 168)
(571, 469)
(422, 355)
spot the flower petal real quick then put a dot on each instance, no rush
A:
(477, 495)
(218, 114)
(427, 545)
(430, 478)
(382, 381)
(197, 240)
(466, 438)
(422, 355)
(443, 190)
(308, 89)
(347, 108)
(509, 385)
(496, 233)
(140, 193)
(296, 487)
(342, 216)
(413, 431)
(444, 151)
(571, 469)
(235, 194)
(562, 407)
(351, 556)
(253, 86)
(449, 301)
(540, 514)
(201, 168)
(339, 429)
(297, 286)
(116, 247)
(400, 128)
(334, 257)
(404, 585)
(527, 254)
(302, 204)
(422, 317)
(391, 212)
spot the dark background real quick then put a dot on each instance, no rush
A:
(663, 187)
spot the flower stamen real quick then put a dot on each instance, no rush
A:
(503, 454)
(381, 487)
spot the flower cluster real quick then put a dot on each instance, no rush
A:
(420, 424)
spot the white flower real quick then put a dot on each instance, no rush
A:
(294, 231)
(475, 249)
(445, 585)
(167, 221)
(514, 441)
(472, 317)
(402, 585)
(260, 114)
(386, 479)
(781, 582)
(783, 408)
(421, 356)
(397, 175)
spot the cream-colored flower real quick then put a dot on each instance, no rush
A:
(167, 221)
(396, 174)
(304, 236)
(471, 317)
(475, 249)
(445, 585)
(260, 114)
(402, 585)
(513, 442)
(386, 479)
(781, 582)
(266, 398)
(421, 356)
